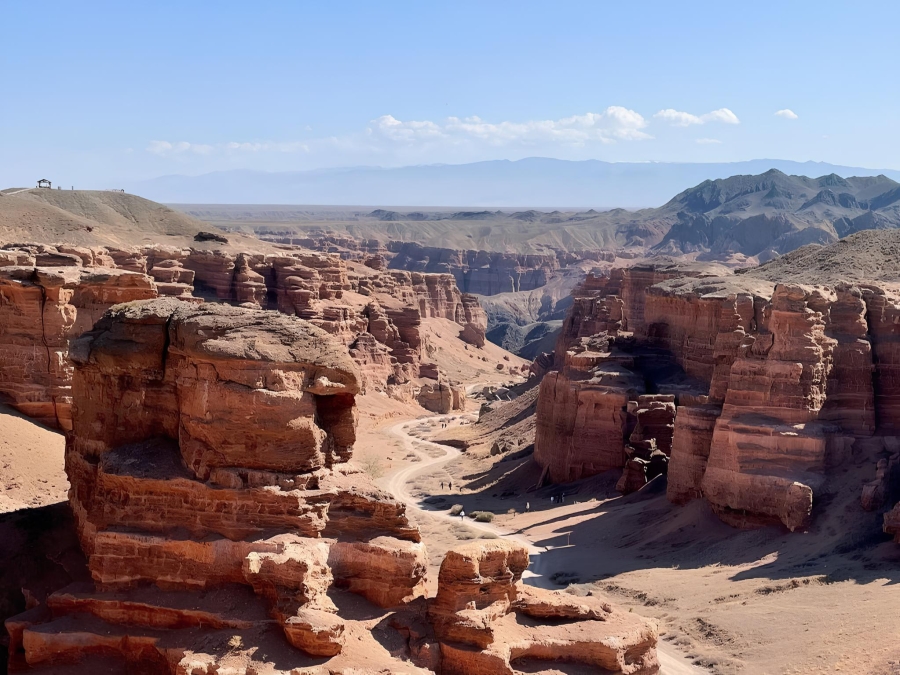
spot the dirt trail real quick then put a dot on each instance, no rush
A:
(672, 662)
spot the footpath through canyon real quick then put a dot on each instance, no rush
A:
(671, 660)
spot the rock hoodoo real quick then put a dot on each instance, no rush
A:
(208, 451)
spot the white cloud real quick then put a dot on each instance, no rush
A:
(266, 146)
(392, 128)
(787, 114)
(708, 141)
(684, 119)
(167, 148)
(613, 124)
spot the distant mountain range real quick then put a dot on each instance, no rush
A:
(774, 213)
(761, 215)
(533, 182)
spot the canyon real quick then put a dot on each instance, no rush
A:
(756, 386)
(223, 523)
(230, 404)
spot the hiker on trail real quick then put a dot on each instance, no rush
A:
(442, 485)
(449, 485)
(527, 507)
(462, 515)
(552, 499)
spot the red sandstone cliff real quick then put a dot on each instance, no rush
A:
(773, 383)
(41, 309)
(50, 295)
(208, 449)
(213, 499)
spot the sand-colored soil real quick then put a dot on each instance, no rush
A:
(31, 463)
(760, 602)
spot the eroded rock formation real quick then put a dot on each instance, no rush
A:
(773, 374)
(481, 272)
(487, 621)
(41, 309)
(208, 451)
(50, 295)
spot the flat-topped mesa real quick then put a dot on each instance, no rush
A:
(484, 619)
(209, 447)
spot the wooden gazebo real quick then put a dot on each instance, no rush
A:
(43, 183)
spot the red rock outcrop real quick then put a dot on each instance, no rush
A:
(772, 384)
(47, 306)
(41, 310)
(892, 522)
(485, 619)
(208, 449)
(581, 404)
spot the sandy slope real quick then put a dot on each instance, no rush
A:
(31, 463)
(103, 218)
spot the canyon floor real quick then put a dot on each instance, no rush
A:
(728, 601)
(756, 602)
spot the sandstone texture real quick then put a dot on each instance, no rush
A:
(754, 385)
(486, 620)
(208, 453)
(481, 272)
(49, 295)
(41, 310)
(221, 519)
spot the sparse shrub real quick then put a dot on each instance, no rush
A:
(482, 516)
(456, 509)
(372, 466)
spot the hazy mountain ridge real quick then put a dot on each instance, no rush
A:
(532, 182)
(751, 215)
(774, 213)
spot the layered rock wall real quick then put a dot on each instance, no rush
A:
(772, 383)
(41, 309)
(485, 620)
(50, 295)
(481, 272)
(209, 448)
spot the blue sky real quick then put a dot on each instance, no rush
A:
(94, 93)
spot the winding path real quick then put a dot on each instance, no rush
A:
(672, 662)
